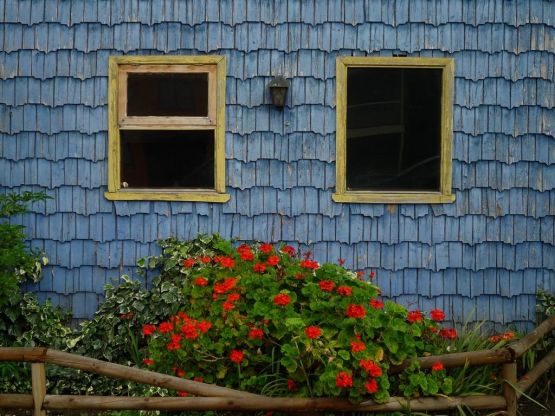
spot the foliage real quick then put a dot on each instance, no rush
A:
(263, 320)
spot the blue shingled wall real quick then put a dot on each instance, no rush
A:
(488, 251)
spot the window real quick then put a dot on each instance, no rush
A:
(394, 130)
(166, 128)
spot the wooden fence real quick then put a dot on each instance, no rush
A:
(220, 398)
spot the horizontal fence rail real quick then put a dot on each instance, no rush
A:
(213, 397)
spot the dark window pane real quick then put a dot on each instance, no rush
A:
(167, 94)
(393, 129)
(167, 158)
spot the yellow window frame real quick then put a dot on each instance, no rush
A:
(444, 195)
(215, 66)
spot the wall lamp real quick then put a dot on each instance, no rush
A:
(278, 90)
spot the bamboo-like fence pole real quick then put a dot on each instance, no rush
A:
(286, 404)
(459, 359)
(16, 401)
(530, 339)
(532, 376)
(508, 373)
(38, 382)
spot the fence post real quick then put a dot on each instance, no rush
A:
(508, 374)
(38, 382)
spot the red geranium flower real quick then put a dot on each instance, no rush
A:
(273, 260)
(233, 297)
(448, 333)
(356, 311)
(266, 248)
(288, 250)
(326, 285)
(360, 273)
(200, 281)
(189, 331)
(165, 327)
(343, 380)
(205, 259)
(357, 346)
(225, 286)
(371, 386)
(179, 372)
(259, 268)
(371, 367)
(243, 247)
(149, 329)
(226, 262)
(189, 263)
(282, 299)
(204, 326)
(198, 379)
(344, 290)
(148, 361)
(299, 276)
(507, 336)
(313, 332)
(341, 262)
(291, 385)
(437, 315)
(414, 316)
(438, 366)
(256, 333)
(228, 305)
(372, 275)
(182, 393)
(309, 264)
(376, 304)
(247, 255)
(236, 356)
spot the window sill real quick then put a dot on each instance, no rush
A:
(362, 197)
(166, 195)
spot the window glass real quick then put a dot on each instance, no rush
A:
(167, 158)
(167, 94)
(393, 129)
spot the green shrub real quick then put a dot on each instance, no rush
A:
(263, 320)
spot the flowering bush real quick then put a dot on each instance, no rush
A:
(262, 319)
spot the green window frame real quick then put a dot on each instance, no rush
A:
(118, 121)
(444, 193)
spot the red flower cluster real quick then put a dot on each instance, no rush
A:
(266, 248)
(205, 259)
(149, 329)
(256, 333)
(344, 290)
(414, 316)
(356, 311)
(273, 260)
(282, 299)
(174, 343)
(288, 250)
(225, 286)
(148, 361)
(372, 275)
(224, 261)
(291, 385)
(326, 285)
(309, 264)
(236, 356)
(313, 332)
(437, 315)
(371, 386)
(371, 368)
(438, 366)
(344, 380)
(245, 252)
(507, 336)
(376, 304)
(182, 393)
(200, 281)
(357, 346)
(189, 263)
(448, 333)
(165, 327)
(259, 268)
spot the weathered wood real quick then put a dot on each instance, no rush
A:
(30, 355)
(140, 376)
(532, 376)
(268, 403)
(528, 341)
(38, 381)
(473, 358)
(16, 401)
(508, 374)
